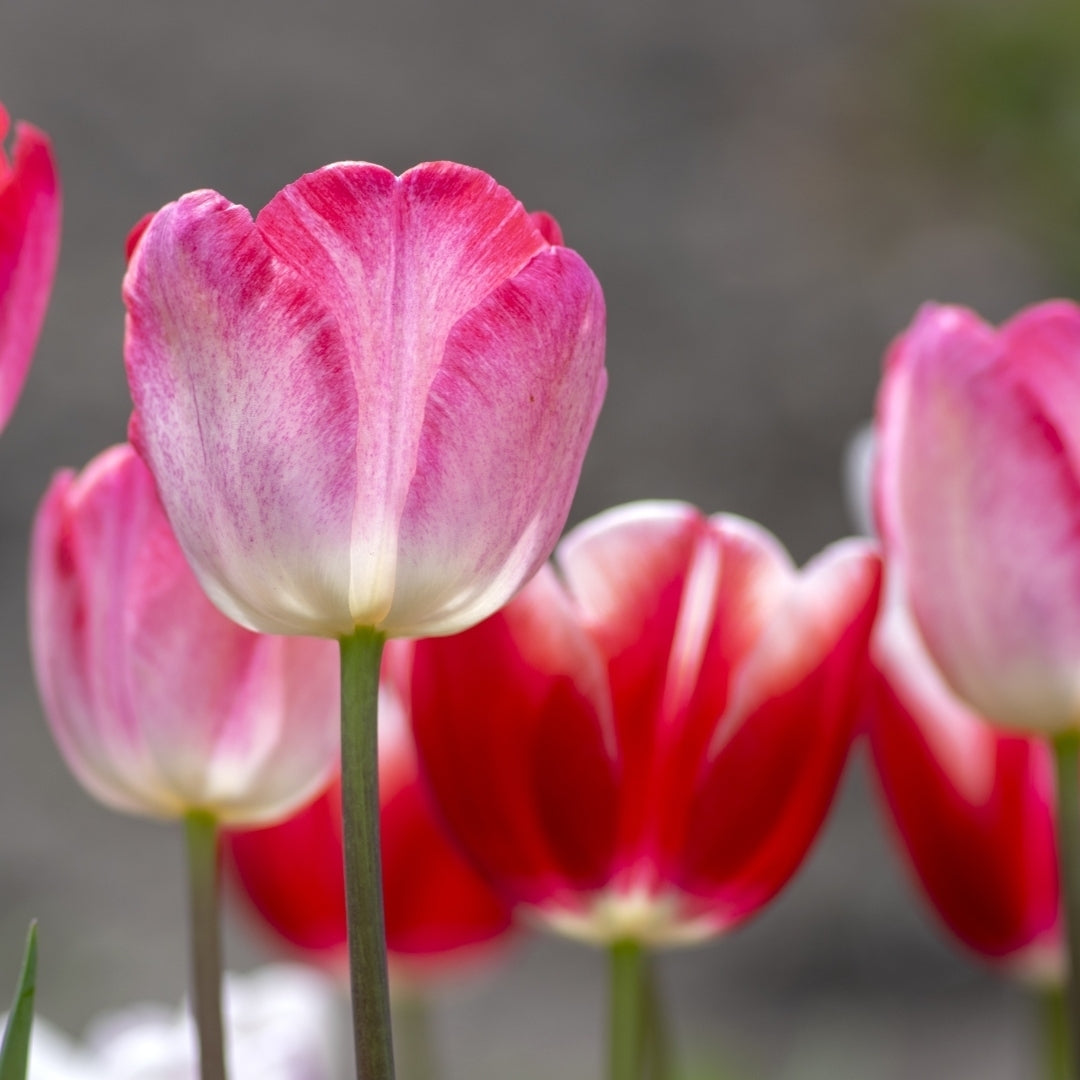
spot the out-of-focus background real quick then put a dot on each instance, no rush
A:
(767, 191)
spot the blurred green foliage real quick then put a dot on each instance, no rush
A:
(996, 89)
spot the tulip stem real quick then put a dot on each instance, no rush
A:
(629, 1005)
(1067, 758)
(1056, 1026)
(361, 656)
(201, 829)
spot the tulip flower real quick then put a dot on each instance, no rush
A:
(978, 503)
(159, 704)
(369, 406)
(972, 806)
(29, 245)
(438, 910)
(366, 411)
(643, 744)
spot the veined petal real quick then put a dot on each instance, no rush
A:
(398, 262)
(246, 411)
(508, 419)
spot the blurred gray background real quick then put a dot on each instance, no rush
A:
(766, 191)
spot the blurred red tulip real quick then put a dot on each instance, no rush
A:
(438, 911)
(971, 804)
(29, 245)
(644, 743)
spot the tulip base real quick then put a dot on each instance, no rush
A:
(1067, 759)
(201, 833)
(361, 657)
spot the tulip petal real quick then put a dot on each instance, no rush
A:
(524, 368)
(487, 730)
(779, 751)
(980, 502)
(399, 262)
(970, 804)
(675, 603)
(29, 245)
(255, 412)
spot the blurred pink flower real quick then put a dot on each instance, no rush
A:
(29, 244)
(370, 405)
(978, 504)
(161, 705)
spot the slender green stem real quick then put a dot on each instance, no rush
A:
(628, 996)
(201, 829)
(1067, 757)
(1056, 1026)
(414, 1047)
(657, 1038)
(361, 656)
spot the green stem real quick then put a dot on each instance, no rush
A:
(657, 1040)
(413, 1043)
(201, 831)
(628, 995)
(361, 656)
(1067, 757)
(1056, 1026)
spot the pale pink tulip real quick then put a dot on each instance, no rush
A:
(978, 500)
(368, 406)
(29, 244)
(161, 705)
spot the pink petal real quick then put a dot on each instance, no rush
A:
(980, 503)
(508, 419)
(254, 416)
(29, 245)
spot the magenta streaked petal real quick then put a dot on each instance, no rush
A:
(29, 245)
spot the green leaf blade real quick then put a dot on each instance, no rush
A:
(15, 1049)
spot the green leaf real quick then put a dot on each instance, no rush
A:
(15, 1049)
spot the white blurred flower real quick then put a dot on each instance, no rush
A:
(281, 1022)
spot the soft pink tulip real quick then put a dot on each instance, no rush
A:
(645, 742)
(29, 244)
(161, 705)
(972, 805)
(370, 405)
(978, 500)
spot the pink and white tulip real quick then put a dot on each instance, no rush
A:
(645, 742)
(368, 406)
(29, 245)
(978, 503)
(159, 704)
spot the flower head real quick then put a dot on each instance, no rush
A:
(160, 704)
(645, 741)
(369, 405)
